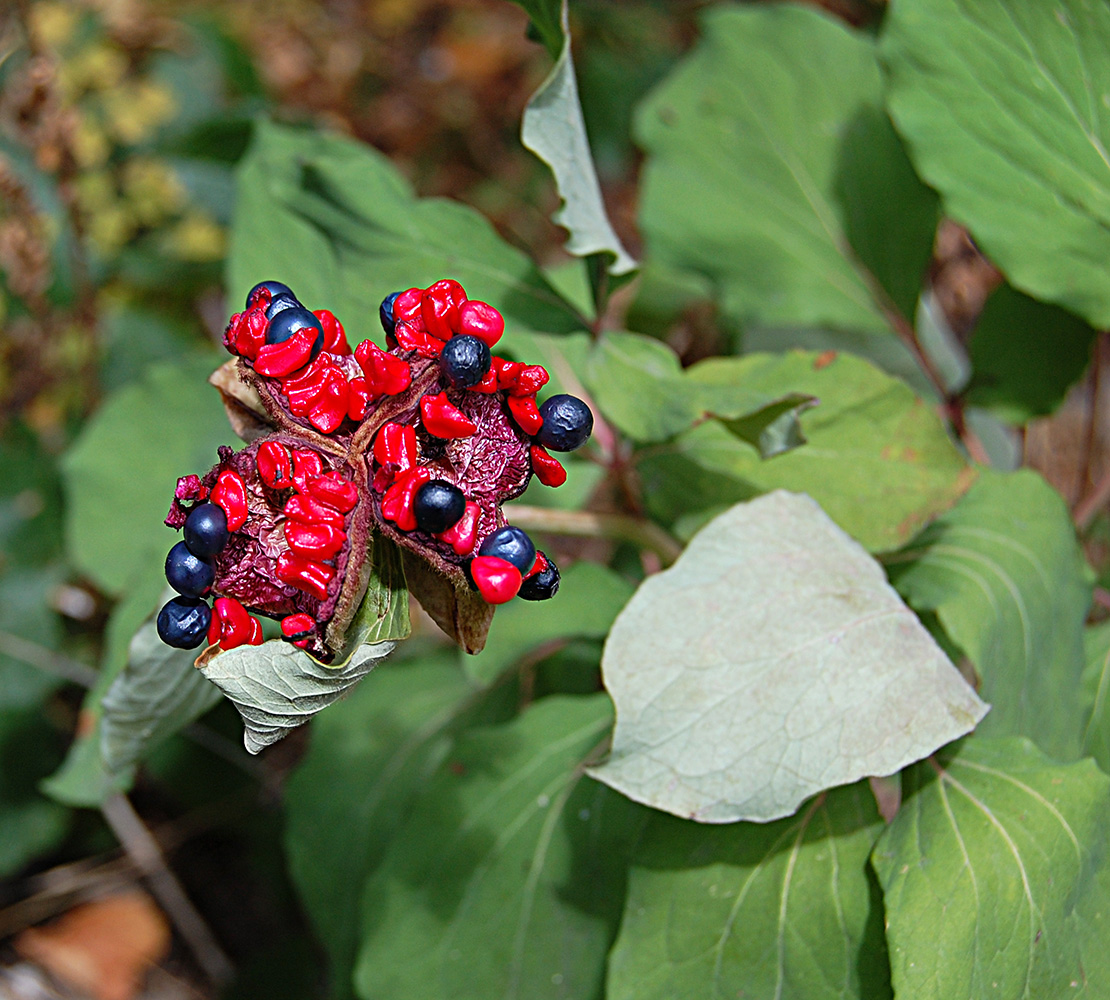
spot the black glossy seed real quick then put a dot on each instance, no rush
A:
(385, 312)
(289, 321)
(567, 423)
(183, 622)
(281, 302)
(542, 586)
(273, 287)
(206, 531)
(188, 574)
(438, 505)
(511, 544)
(464, 360)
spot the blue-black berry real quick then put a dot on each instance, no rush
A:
(281, 302)
(512, 545)
(188, 574)
(273, 287)
(437, 506)
(289, 321)
(385, 312)
(542, 586)
(206, 531)
(465, 360)
(567, 423)
(183, 622)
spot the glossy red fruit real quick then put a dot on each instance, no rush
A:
(538, 566)
(462, 535)
(298, 628)
(548, 469)
(231, 624)
(358, 398)
(334, 490)
(411, 339)
(478, 319)
(308, 510)
(444, 420)
(385, 374)
(497, 581)
(529, 380)
(525, 413)
(277, 360)
(329, 405)
(307, 465)
(305, 574)
(399, 501)
(231, 494)
(314, 541)
(407, 307)
(256, 637)
(439, 307)
(275, 466)
(335, 337)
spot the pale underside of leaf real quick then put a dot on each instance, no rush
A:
(770, 662)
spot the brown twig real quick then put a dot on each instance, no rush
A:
(588, 524)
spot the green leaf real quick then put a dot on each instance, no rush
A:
(383, 613)
(740, 674)
(995, 876)
(878, 459)
(642, 390)
(159, 692)
(1095, 695)
(782, 909)
(121, 471)
(1025, 355)
(777, 186)
(1001, 103)
(507, 879)
(277, 687)
(368, 758)
(1008, 583)
(589, 598)
(549, 21)
(553, 128)
(336, 221)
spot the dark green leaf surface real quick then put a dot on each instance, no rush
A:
(793, 196)
(877, 459)
(1003, 104)
(1008, 583)
(368, 758)
(121, 471)
(335, 220)
(507, 880)
(1095, 695)
(589, 598)
(158, 693)
(996, 878)
(383, 613)
(1025, 356)
(777, 910)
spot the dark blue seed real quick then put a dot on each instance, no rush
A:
(188, 574)
(206, 530)
(183, 622)
(542, 586)
(281, 302)
(437, 506)
(464, 360)
(512, 545)
(385, 312)
(273, 287)
(289, 321)
(567, 423)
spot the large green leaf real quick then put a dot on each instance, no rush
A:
(1005, 576)
(1025, 355)
(507, 879)
(782, 909)
(368, 759)
(1003, 105)
(336, 221)
(877, 460)
(741, 674)
(1096, 695)
(793, 196)
(158, 693)
(996, 876)
(589, 598)
(553, 128)
(120, 473)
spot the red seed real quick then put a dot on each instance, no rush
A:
(250, 336)
(529, 381)
(335, 337)
(358, 398)
(497, 580)
(398, 501)
(461, 535)
(314, 541)
(548, 469)
(277, 360)
(329, 406)
(334, 490)
(255, 638)
(234, 622)
(412, 339)
(407, 307)
(440, 306)
(305, 574)
(489, 381)
(231, 494)
(538, 566)
(308, 510)
(507, 372)
(305, 386)
(274, 465)
(298, 628)
(306, 465)
(395, 446)
(525, 413)
(481, 320)
(384, 372)
(443, 420)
